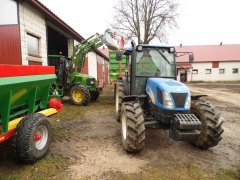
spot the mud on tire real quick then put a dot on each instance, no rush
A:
(133, 128)
(83, 98)
(119, 94)
(211, 124)
(25, 147)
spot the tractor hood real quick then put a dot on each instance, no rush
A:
(168, 85)
(83, 79)
(157, 88)
(83, 75)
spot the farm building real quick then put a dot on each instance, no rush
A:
(29, 32)
(211, 63)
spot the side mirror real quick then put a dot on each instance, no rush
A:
(191, 57)
(119, 56)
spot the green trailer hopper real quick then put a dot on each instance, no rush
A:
(116, 69)
(24, 99)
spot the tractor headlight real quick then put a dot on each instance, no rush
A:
(92, 82)
(168, 103)
(139, 48)
(188, 102)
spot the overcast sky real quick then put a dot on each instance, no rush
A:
(199, 21)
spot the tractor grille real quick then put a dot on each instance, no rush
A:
(179, 99)
(160, 96)
(89, 82)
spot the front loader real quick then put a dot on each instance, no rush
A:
(80, 87)
(150, 96)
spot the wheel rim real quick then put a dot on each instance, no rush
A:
(124, 126)
(117, 101)
(77, 95)
(41, 137)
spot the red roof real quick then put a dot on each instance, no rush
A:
(209, 53)
(56, 20)
(184, 65)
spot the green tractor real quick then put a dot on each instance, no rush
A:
(150, 96)
(70, 82)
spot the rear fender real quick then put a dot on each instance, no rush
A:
(130, 98)
(125, 85)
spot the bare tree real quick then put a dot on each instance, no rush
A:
(145, 19)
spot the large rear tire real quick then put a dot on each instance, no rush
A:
(119, 94)
(133, 128)
(211, 124)
(79, 95)
(32, 138)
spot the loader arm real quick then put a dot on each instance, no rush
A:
(80, 51)
(92, 43)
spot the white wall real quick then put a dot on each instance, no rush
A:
(214, 76)
(92, 64)
(31, 21)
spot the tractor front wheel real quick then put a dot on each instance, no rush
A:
(133, 128)
(32, 138)
(211, 131)
(79, 95)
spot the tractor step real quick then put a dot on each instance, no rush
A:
(185, 127)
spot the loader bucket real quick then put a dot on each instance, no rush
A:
(112, 40)
(23, 90)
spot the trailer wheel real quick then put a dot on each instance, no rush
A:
(119, 94)
(32, 138)
(79, 95)
(211, 131)
(94, 95)
(133, 128)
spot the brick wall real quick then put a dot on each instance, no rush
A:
(31, 21)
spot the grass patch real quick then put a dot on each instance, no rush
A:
(227, 173)
(176, 171)
(47, 168)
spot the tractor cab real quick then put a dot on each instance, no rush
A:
(150, 62)
(63, 67)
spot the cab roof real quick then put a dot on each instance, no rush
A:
(128, 51)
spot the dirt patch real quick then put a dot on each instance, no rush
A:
(93, 143)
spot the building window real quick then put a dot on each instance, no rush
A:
(32, 45)
(221, 71)
(235, 70)
(208, 71)
(8, 12)
(195, 71)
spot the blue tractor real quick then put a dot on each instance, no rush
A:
(150, 96)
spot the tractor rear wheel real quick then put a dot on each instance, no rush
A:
(32, 138)
(79, 95)
(119, 94)
(133, 128)
(211, 131)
